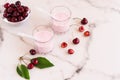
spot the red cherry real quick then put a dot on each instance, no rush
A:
(63, 45)
(86, 33)
(30, 66)
(18, 3)
(70, 51)
(81, 28)
(10, 10)
(76, 41)
(12, 5)
(20, 9)
(5, 11)
(14, 19)
(32, 51)
(6, 15)
(26, 8)
(84, 21)
(34, 61)
(6, 5)
(20, 18)
(25, 14)
(9, 19)
(15, 14)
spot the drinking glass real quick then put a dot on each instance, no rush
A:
(60, 18)
(44, 39)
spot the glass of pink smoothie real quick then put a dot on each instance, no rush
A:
(60, 18)
(43, 36)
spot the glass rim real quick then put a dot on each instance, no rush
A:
(42, 28)
(61, 7)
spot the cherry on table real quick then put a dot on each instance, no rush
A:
(34, 61)
(81, 29)
(30, 66)
(76, 41)
(32, 51)
(70, 51)
(64, 44)
(84, 21)
(86, 33)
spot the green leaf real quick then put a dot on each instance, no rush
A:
(43, 63)
(19, 71)
(23, 71)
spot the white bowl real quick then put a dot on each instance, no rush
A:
(14, 23)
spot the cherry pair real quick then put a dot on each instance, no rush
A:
(86, 33)
(32, 64)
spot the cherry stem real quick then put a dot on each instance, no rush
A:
(22, 60)
(26, 58)
(25, 54)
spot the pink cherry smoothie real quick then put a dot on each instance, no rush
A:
(60, 22)
(60, 19)
(61, 16)
(44, 43)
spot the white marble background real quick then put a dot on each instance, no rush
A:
(104, 53)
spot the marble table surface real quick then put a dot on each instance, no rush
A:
(99, 55)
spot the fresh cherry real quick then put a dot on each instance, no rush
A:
(5, 11)
(12, 5)
(20, 9)
(86, 33)
(30, 66)
(76, 41)
(10, 10)
(63, 44)
(9, 19)
(25, 14)
(32, 51)
(34, 61)
(84, 21)
(6, 5)
(15, 14)
(81, 29)
(26, 8)
(6, 15)
(18, 3)
(14, 19)
(70, 51)
(20, 18)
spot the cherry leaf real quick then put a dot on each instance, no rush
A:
(23, 71)
(43, 63)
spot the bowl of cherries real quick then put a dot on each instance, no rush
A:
(15, 12)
